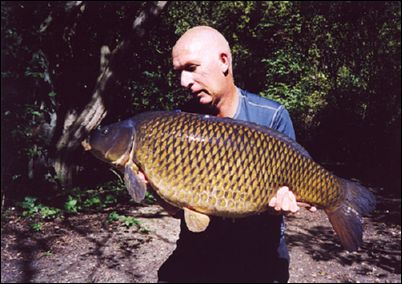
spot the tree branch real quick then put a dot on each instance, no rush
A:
(95, 110)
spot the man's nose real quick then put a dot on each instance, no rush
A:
(186, 79)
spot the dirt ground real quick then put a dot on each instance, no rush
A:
(88, 248)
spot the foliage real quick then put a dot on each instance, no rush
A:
(102, 197)
(37, 227)
(127, 221)
(31, 208)
(77, 201)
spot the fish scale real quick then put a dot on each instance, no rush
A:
(206, 160)
(211, 166)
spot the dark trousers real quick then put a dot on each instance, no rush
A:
(251, 249)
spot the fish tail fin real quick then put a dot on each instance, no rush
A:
(346, 217)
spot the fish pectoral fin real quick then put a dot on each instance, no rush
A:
(135, 186)
(196, 222)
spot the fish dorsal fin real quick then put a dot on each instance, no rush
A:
(135, 186)
(196, 222)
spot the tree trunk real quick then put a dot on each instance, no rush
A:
(77, 126)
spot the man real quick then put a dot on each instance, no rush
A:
(251, 249)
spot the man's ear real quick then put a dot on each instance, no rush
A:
(224, 63)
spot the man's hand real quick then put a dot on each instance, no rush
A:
(285, 200)
(142, 177)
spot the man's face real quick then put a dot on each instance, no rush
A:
(200, 70)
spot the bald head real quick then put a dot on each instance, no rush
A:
(203, 59)
(202, 37)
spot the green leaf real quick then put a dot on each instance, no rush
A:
(71, 205)
(37, 227)
(114, 216)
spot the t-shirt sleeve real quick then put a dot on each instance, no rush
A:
(283, 123)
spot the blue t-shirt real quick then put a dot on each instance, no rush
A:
(254, 108)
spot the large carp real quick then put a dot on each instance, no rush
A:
(219, 166)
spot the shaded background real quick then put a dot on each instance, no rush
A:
(334, 65)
